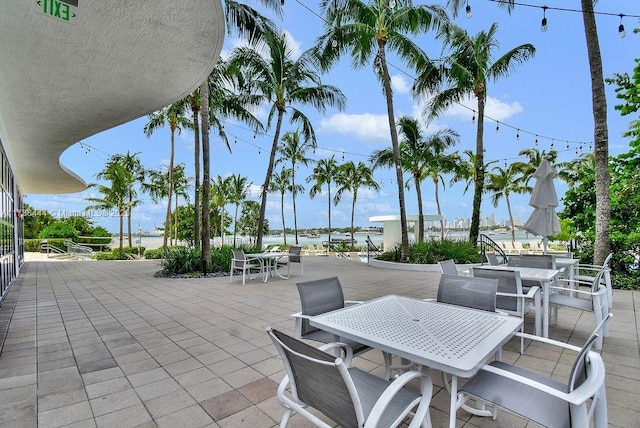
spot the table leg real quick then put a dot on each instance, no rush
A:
(453, 408)
(538, 315)
(545, 305)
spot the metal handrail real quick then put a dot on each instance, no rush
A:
(372, 250)
(486, 242)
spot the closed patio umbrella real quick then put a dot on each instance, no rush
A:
(544, 220)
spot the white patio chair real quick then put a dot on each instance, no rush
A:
(476, 293)
(293, 257)
(543, 400)
(348, 396)
(493, 260)
(594, 300)
(244, 264)
(587, 272)
(448, 267)
(510, 298)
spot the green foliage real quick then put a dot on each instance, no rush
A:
(82, 225)
(433, 251)
(35, 221)
(221, 258)
(59, 230)
(32, 245)
(100, 231)
(154, 254)
(182, 261)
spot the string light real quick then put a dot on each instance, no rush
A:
(473, 118)
(536, 140)
(497, 126)
(518, 135)
(621, 31)
(392, 3)
(334, 43)
(543, 24)
(468, 10)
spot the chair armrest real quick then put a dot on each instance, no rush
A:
(297, 328)
(548, 341)
(396, 386)
(574, 290)
(352, 302)
(530, 294)
(348, 351)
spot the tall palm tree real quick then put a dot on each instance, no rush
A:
(295, 151)
(534, 159)
(284, 82)
(502, 182)
(239, 192)
(366, 30)
(421, 157)
(351, 178)
(114, 195)
(174, 116)
(194, 103)
(324, 173)
(281, 183)
(469, 70)
(181, 187)
(206, 178)
(221, 187)
(600, 129)
(134, 174)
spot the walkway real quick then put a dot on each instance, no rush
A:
(106, 344)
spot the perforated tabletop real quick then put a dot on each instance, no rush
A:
(446, 337)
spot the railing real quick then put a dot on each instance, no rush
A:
(372, 250)
(77, 250)
(488, 243)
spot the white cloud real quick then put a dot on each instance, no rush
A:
(367, 127)
(494, 108)
(399, 84)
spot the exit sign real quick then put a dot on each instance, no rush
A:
(63, 10)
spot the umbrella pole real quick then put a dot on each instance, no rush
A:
(544, 244)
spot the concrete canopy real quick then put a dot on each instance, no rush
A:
(74, 68)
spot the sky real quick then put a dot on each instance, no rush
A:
(547, 99)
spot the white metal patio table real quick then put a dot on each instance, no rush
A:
(450, 338)
(567, 263)
(269, 263)
(546, 278)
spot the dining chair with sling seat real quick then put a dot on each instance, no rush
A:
(241, 263)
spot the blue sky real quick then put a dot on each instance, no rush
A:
(548, 98)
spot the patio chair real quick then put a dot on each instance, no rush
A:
(492, 258)
(539, 261)
(543, 400)
(476, 293)
(517, 246)
(246, 265)
(321, 296)
(587, 272)
(348, 396)
(448, 267)
(567, 294)
(510, 298)
(293, 257)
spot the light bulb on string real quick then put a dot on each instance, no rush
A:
(567, 145)
(497, 126)
(392, 3)
(518, 135)
(342, 155)
(551, 146)
(468, 10)
(334, 43)
(536, 142)
(543, 24)
(621, 32)
(473, 118)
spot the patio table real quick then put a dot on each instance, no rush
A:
(546, 278)
(453, 339)
(269, 263)
(567, 263)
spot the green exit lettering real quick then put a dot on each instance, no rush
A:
(56, 8)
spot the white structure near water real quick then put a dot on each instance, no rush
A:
(391, 227)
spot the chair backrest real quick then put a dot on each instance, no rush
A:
(540, 261)
(492, 259)
(448, 267)
(607, 261)
(316, 379)
(294, 254)
(318, 297)
(580, 366)
(238, 258)
(508, 282)
(477, 293)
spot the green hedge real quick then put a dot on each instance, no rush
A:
(32, 245)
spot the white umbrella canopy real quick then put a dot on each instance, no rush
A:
(544, 220)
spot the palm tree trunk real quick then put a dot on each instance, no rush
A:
(267, 179)
(513, 229)
(284, 229)
(196, 195)
(600, 135)
(353, 211)
(206, 176)
(121, 215)
(329, 192)
(129, 222)
(167, 221)
(293, 196)
(175, 223)
(437, 196)
(420, 225)
(235, 225)
(474, 231)
(396, 150)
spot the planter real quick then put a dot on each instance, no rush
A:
(415, 267)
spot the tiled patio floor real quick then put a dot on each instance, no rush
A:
(106, 344)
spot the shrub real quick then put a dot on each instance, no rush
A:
(221, 259)
(114, 254)
(154, 254)
(32, 245)
(181, 261)
(59, 230)
(433, 251)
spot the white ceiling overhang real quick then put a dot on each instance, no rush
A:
(70, 69)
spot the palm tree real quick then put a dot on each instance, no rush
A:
(206, 178)
(534, 159)
(366, 31)
(422, 158)
(295, 151)
(602, 246)
(180, 188)
(502, 182)
(114, 195)
(284, 82)
(281, 183)
(221, 187)
(239, 192)
(352, 177)
(134, 174)
(172, 115)
(324, 173)
(469, 71)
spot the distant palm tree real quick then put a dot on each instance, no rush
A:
(281, 183)
(294, 150)
(283, 82)
(570, 172)
(174, 116)
(221, 188)
(534, 159)
(503, 182)
(114, 195)
(471, 67)
(365, 31)
(181, 187)
(134, 174)
(351, 178)
(239, 192)
(324, 173)
(421, 157)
